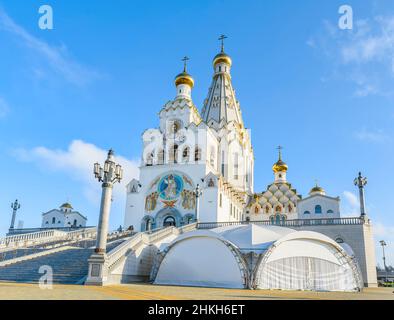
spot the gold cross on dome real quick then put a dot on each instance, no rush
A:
(185, 59)
(280, 148)
(221, 38)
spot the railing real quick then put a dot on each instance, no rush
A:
(147, 237)
(42, 237)
(288, 223)
(35, 230)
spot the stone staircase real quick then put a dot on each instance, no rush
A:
(69, 266)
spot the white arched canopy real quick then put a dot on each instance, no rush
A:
(282, 258)
(201, 261)
(307, 261)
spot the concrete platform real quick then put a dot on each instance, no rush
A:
(22, 291)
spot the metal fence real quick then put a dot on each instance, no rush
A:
(287, 223)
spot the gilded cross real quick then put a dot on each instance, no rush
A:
(185, 59)
(221, 38)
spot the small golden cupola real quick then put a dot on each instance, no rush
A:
(280, 168)
(222, 62)
(317, 190)
(184, 82)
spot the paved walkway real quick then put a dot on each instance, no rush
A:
(150, 292)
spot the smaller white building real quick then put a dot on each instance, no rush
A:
(64, 217)
(318, 205)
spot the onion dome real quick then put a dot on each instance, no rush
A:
(184, 78)
(279, 166)
(222, 58)
(317, 190)
(66, 206)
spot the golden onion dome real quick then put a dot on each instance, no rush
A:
(66, 205)
(279, 166)
(317, 189)
(184, 78)
(222, 58)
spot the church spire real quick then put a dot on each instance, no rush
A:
(221, 106)
(184, 82)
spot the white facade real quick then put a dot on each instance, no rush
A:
(213, 151)
(65, 217)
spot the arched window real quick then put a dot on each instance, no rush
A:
(290, 208)
(148, 225)
(169, 221)
(75, 223)
(212, 158)
(307, 212)
(236, 166)
(173, 156)
(267, 209)
(197, 154)
(53, 220)
(149, 159)
(256, 210)
(160, 156)
(318, 209)
(278, 209)
(330, 211)
(185, 154)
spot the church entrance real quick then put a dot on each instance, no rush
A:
(169, 222)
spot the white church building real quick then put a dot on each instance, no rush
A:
(199, 167)
(64, 217)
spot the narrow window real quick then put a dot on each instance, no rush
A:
(318, 209)
(236, 166)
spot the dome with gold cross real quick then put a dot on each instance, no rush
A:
(280, 166)
(184, 77)
(222, 57)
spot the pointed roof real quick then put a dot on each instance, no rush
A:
(221, 106)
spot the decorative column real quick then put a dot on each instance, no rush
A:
(15, 206)
(197, 194)
(360, 182)
(110, 174)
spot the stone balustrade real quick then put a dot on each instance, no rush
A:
(43, 237)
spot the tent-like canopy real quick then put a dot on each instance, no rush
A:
(260, 257)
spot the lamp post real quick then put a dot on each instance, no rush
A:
(197, 194)
(108, 175)
(361, 182)
(383, 244)
(15, 206)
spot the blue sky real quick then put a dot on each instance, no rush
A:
(100, 77)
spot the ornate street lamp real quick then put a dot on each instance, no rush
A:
(15, 206)
(108, 175)
(361, 182)
(197, 194)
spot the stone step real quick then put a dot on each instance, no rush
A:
(69, 266)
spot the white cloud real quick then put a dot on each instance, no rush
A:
(57, 58)
(4, 108)
(364, 55)
(351, 205)
(77, 161)
(372, 136)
